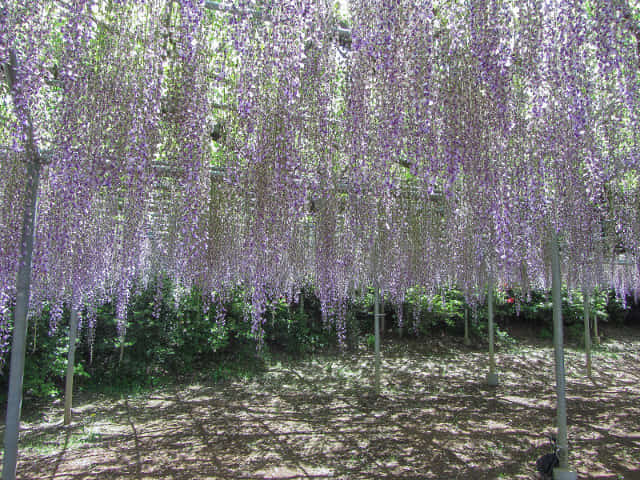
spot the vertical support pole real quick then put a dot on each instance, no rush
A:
(68, 391)
(587, 333)
(302, 317)
(301, 302)
(18, 343)
(492, 377)
(596, 337)
(467, 340)
(376, 328)
(562, 471)
(23, 291)
(121, 356)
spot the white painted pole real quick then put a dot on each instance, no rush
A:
(301, 303)
(121, 356)
(376, 327)
(68, 392)
(467, 341)
(562, 472)
(492, 377)
(587, 333)
(23, 289)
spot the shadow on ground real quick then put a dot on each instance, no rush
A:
(319, 418)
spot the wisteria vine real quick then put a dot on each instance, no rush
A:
(443, 145)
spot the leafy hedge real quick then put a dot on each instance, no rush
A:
(168, 342)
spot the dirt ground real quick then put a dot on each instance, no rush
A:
(317, 418)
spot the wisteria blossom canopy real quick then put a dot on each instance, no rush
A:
(253, 146)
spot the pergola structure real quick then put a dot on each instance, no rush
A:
(518, 118)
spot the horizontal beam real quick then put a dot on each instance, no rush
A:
(45, 156)
(343, 34)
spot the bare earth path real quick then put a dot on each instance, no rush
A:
(317, 419)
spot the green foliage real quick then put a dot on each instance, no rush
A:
(298, 332)
(168, 341)
(539, 309)
(574, 332)
(545, 334)
(611, 309)
(45, 360)
(371, 341)
(44, 371)
(182, 341)
(444, 310)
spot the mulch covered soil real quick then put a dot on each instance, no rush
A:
(317, 418)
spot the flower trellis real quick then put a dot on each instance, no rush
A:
(262, 144)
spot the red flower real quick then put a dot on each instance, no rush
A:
(511, 300)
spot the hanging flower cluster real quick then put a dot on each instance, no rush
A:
(444, 144)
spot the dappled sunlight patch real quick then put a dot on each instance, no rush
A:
(527, 402)
(435, 418)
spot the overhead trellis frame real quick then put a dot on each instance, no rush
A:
(343, 34)
(452, 147)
